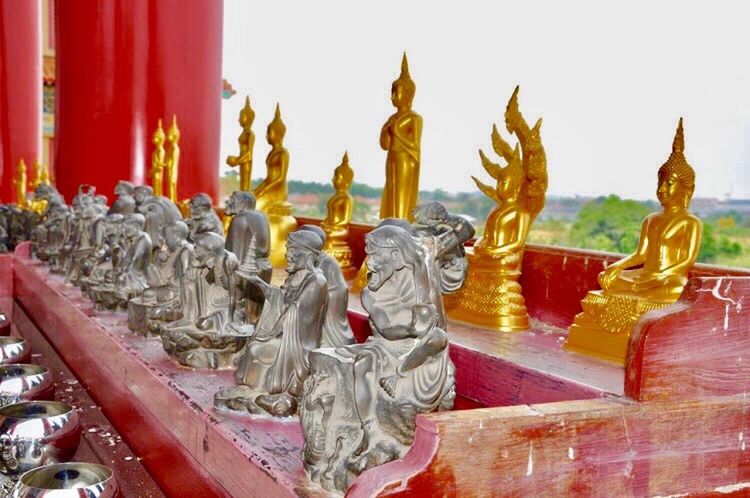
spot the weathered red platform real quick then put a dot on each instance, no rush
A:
(536, 420)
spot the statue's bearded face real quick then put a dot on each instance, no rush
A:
(382, 263)
(231, 207)
(296, 258)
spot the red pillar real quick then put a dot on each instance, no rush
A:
(122, 64)
(20, 89)
(186, 47)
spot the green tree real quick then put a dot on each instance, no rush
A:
(609, 224)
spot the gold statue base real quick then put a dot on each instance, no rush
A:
(491, 297)
(603, 329)
(342, 253)
(282, 223)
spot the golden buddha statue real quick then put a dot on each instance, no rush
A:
(491, 295)
(339, 214)
(246, 140)
(401, 137)
(41, 174)
(650, 278)
(271, 193)
(20, 184)
(158, 161)
(172, 160)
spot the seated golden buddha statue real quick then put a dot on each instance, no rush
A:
(41, 177)
(650, 278)
(336, 223)
(401, 136)
(492, 296)
(271, 193)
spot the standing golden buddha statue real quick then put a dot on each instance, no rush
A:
(401, 137)
(492, 296)
(172, 160)
(158, 161)
(653, 276)
(271, 193)
(20, 184)
(247, 141)
(339, 214)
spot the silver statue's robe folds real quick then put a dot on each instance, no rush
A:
(360, 401)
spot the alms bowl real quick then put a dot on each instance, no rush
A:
(19, 382)
(14, 350)
(36, 433)
(64, 480)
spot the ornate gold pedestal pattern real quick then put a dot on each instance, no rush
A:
(491, 297)
(341, 251)
(603, 328)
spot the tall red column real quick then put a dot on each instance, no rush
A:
(20, 89)
(185, 59)
(122, 64)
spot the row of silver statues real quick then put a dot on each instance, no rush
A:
(211, 301)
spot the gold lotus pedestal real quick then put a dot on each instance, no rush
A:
(491, 296)
(603, 328)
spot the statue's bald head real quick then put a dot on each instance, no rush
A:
(242, 200)
(124, 187)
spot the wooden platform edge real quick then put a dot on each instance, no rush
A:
(602, 447)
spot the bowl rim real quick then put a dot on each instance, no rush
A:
(29, 369)
(57, 467)
(66, 409)
(6, 340)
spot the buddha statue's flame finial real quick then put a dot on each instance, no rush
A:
(174, 131)
(277, 124)
(677, 163)
(678, 144)
(347, 173)
(405, 78)
(247, 112)
(159, 133)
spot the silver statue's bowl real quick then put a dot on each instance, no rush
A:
(68, 480)
(14, 350)
(36, 433)
(25, 382)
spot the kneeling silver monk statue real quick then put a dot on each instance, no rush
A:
(360, 401)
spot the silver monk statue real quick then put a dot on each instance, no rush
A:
(336, 328)
(274, 363)
(360, 401)
(198, 339)
(248, 230)
(203, 218)
(125, 202)
(162, 294)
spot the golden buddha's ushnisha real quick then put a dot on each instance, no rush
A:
(492, 296)
(271, 194)
(650, 278)
(20, 185)
(158, 161)
(339, 215)
(401, 137)
(246, 141)
(172, 160)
